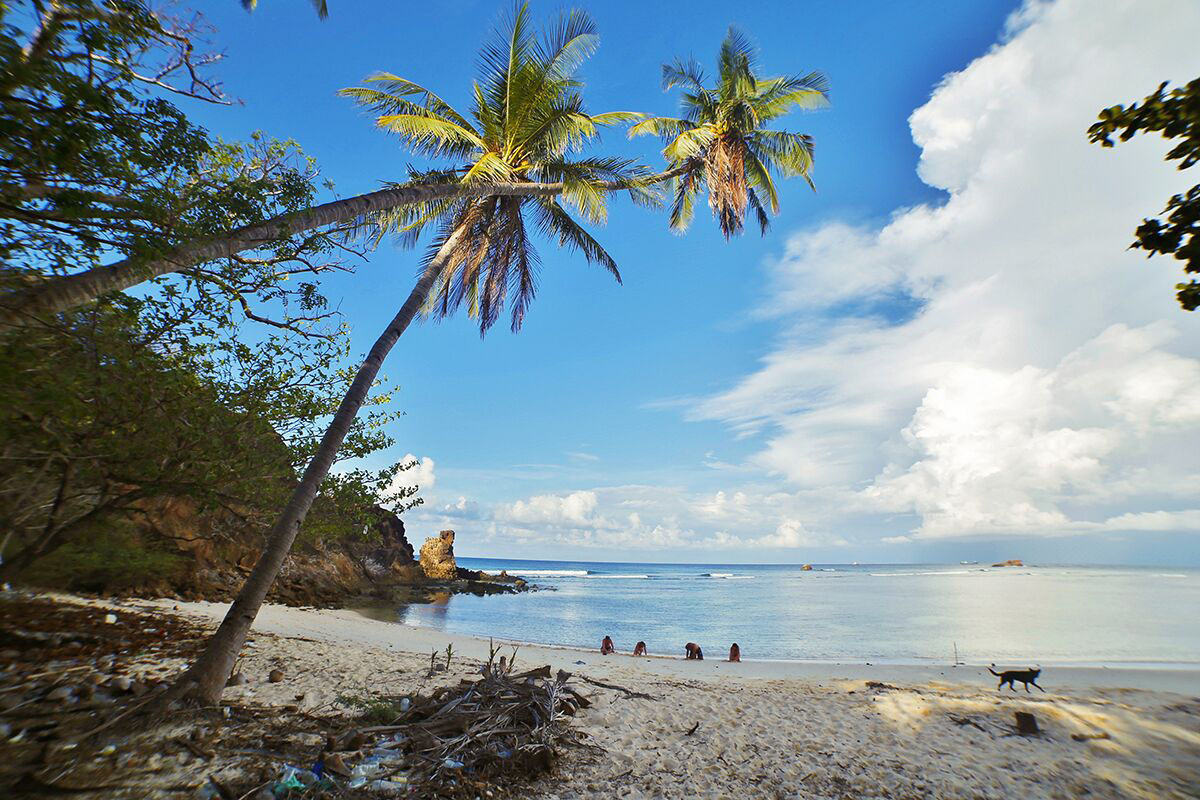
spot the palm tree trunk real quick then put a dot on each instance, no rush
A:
(205, 680)
(22, 307)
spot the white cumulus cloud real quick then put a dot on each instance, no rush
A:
(1047, 383)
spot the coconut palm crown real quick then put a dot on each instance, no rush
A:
(721, 140)
(527, 122)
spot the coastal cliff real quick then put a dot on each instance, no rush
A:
(176, 549)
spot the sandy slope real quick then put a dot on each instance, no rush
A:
(783, 730)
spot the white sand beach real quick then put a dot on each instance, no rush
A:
(777, 729)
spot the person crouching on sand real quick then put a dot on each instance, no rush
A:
(607, 647)
(694, 653)
(735, 653)
(640, 649)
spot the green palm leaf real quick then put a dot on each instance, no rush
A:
(432, 136)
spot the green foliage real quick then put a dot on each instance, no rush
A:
(1173, 115)
(349, 505)
(374, 709)
(135, 402)
(171, 395)
(527, 122)
(721, 143)
(97, 162)
(85, 153)
(107, 557)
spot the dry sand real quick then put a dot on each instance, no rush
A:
(777, 729)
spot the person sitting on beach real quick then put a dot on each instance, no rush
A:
(607, 647)
(735, 653)
(694, 653)
(640, 649)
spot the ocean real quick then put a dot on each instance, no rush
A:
(1064, 615)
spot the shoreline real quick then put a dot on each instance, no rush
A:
(1151, 665)
(351, 627)
(664, 727)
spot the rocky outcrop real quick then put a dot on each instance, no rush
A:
(1012, 562)
(194, 553)
(437, 557)
(392, 539)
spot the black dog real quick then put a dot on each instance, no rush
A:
(1025, 676)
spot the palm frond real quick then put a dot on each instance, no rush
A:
(555, 129)
(489, 167)
(500, 61)
(764, 221)
(789, 153)
(617, 117)
(567, 44)
(432, 136)
(556, 223)
(666, 127)
(683, 207)
(459, 280)
(683, 73)
(586, 197)
(778, 96)
(406, 223)
(736, 62)
(760, 176)
(690, 143)
(393, 86)
(618, 174)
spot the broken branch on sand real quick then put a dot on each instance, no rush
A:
(614, 687)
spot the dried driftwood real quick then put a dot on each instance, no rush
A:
(461, 738)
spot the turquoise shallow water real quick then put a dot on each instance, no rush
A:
(877, 613)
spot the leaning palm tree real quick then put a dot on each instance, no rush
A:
(720, 142)
(527, 124)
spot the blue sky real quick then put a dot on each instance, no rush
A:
(712, 395)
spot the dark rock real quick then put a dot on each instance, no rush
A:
(275, 676)
(392, 538)
(1026, 723)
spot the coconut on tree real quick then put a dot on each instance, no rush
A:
(720, 143)
(527, 124)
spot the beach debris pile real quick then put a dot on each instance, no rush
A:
(73, 679)
(459, 741)
(64, 670)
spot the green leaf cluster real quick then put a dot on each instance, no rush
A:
(1173, 115)
(97, 162)
(134, 403)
